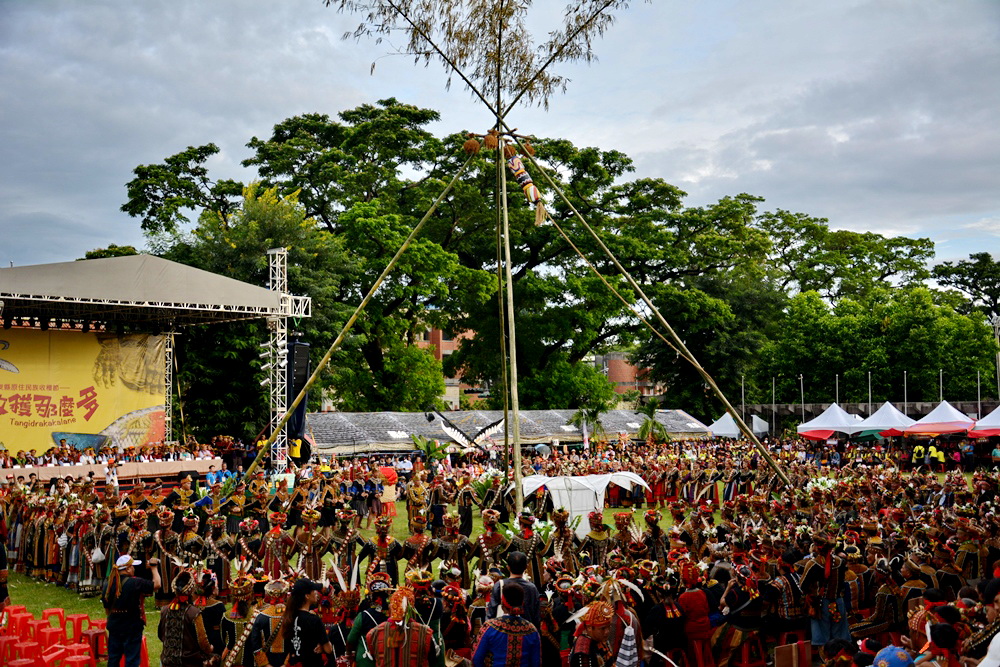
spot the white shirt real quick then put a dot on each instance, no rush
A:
(992, 658)
(111, 475)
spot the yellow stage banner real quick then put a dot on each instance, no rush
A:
(91, 389)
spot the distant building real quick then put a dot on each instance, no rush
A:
(625, 376)
(441, 345)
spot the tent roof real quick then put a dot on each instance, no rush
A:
(346, 432)
(834, 418)
(885, 418)
(942, 419)
(137, 289)
(991, 420)
(725, 426)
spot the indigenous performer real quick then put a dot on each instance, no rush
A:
(166, 543)
(590, 645)
(438, 499)
(275, 547)
(540, 503)
(248, 545)
(418, 549)
(490, 544)
(96, 545)
(191, 548)
(480, 603)
(416, 499)
(454, 549)
(530, 544)
(234, 508)
(495, 500)
(465, 499)
(596, 543)
(696, 607)
(402, 641)
(179, 501)
(887, 616)
(655, 539)
(509, 639)
(182, 628)
(383, 552)
(372, 614)
(426, 605)
(344, 540)
(822, 583)
(220, 549)
(310, 543)
(628, 536)
(266, 642)
(563, 543)
(235, 627)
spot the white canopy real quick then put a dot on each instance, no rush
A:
(834, 418)
(991, 420)
(886, 418)
(580, 494)
(942, 419)
(725, 426)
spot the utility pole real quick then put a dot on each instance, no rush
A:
(802, 393)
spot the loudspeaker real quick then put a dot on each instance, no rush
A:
(298, 374)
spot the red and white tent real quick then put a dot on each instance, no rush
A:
(942, 419)
(833, 420)
(987, 426)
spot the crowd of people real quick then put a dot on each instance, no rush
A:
(66, 454)
(714, 557)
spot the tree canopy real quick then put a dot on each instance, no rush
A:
(755, 294)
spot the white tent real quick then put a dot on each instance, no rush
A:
(942, 419)
(834, 418)
(988, 425)
(886, 418)
(725, 426)
(580, 494)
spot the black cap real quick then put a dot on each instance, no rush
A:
(306, 586)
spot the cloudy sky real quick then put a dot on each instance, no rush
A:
(879, 115)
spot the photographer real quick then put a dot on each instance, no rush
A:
(123, 599)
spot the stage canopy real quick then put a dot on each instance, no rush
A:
(146, 293)
(580, 494)
(725, 426)
(833, 420)
(942, 419)
(987, 426)
(886, 421)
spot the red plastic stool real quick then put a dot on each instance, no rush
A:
(31, 650)
(22, 662)
(101, 623)
(80, 650)
(76, 621)
(34, 627)
(56, 612)
(98, 641)
(51, 636)
(747, 658)
(7, 648)
(55, 654)
(78, 661)
(144, 654)
(18, 623)
(16, 609)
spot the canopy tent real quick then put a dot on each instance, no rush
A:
(886, 421)
(833, 420)
(942, 419)
(580, 494)
(987, 426)
(725, 426)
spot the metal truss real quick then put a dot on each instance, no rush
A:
(168, 385)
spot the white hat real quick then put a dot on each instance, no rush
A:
(125, 561)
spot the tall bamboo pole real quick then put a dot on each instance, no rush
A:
(515, 425)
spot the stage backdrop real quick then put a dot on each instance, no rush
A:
(89, 388)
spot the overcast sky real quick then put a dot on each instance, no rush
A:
(880, 115)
